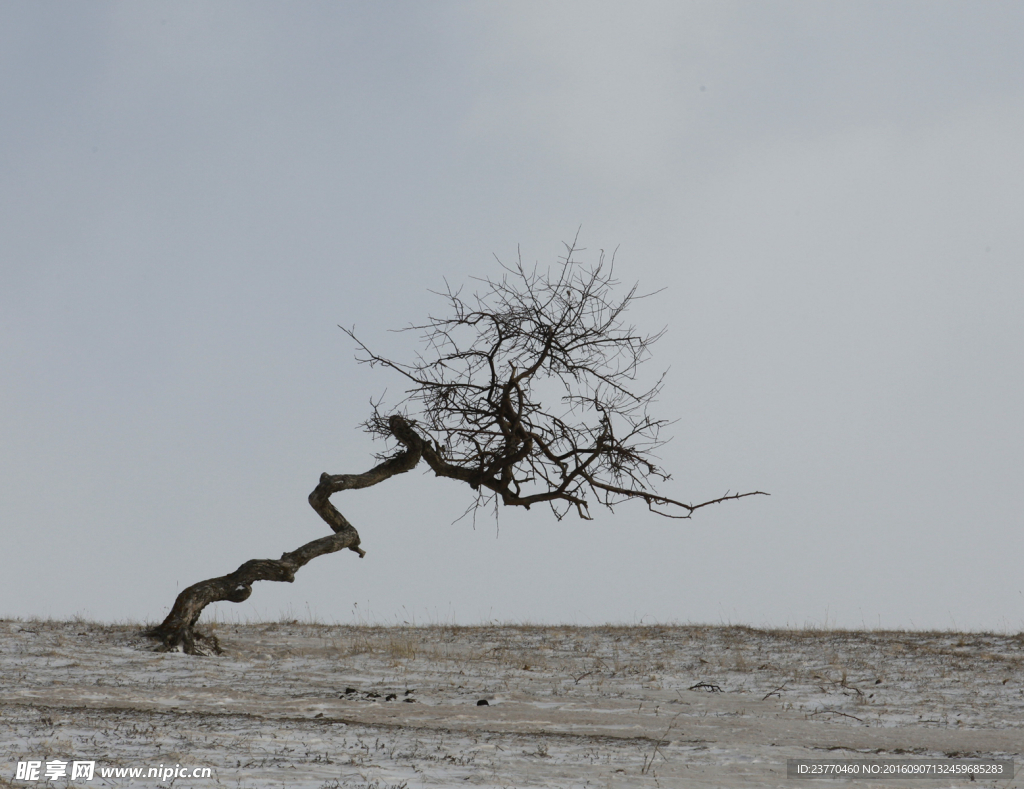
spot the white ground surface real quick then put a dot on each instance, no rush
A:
(305, 705)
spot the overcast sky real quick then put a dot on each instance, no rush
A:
(194, 195)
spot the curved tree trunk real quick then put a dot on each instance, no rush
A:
(178, 630)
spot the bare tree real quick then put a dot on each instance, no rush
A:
(528, 392)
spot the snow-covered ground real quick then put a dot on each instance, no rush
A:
(309, 705)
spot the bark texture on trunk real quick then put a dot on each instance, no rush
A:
(178, 630)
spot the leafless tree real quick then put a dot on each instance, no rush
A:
(528, 392)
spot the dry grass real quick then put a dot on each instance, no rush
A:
(616, 705)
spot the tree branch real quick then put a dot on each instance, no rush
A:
(530, 393)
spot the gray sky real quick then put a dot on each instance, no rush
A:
(194, 195)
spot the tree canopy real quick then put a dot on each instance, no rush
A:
(529, 392)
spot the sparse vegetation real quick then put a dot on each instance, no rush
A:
(637, 705)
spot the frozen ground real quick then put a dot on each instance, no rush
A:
(307, 705)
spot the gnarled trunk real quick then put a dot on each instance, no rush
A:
(178, 630)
